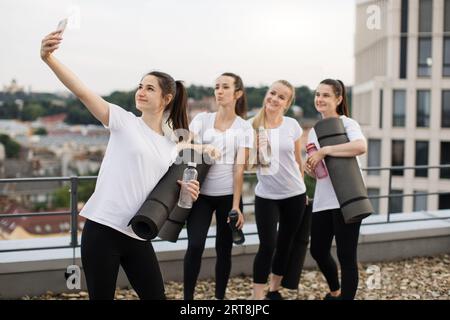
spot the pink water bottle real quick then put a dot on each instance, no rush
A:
(321, 170)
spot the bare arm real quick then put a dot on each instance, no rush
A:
(298, 156)
(93, 102)
(349, 149)
(210, 150)
(238, 180)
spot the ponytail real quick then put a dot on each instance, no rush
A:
(343, 106)
(177, 108)
(260, 119)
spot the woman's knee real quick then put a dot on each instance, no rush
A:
(347, 258)
(318, 253)
(224, 250)
(195, 249)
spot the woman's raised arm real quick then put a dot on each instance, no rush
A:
(95, 104)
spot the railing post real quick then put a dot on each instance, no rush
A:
(390, 196)
(74, 211)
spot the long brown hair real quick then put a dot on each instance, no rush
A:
(260, 118)
(241, 103)
(177, 106)
(339, 91)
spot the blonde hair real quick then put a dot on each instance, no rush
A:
(260, 118)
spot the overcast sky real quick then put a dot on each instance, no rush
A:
(110, 44)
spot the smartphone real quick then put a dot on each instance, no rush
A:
(62, 26)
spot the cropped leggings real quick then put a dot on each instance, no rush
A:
(104, 249)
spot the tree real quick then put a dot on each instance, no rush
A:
(78, 114)
(305, 99)
(9, 110)
(255, 96)
(125, 99)
(40, 131)
(310, 186)
(32, 111)
(12, 148)
(86, 189)
(199, 92)
(349, 99)
(61, 198)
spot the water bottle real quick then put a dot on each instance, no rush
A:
(263, 152)
(237, 234)
(190, 173)
(321, 170)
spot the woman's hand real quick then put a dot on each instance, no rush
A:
(240, 221)
(309, 171)
(315, 158)
(192, 186)
(50, 43)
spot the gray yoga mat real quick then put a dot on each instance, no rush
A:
(345, 173)
(160, 214)
(172, 227)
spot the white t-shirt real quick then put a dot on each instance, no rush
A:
(219, 181)
(136, 158)
(324, 195)
(282, 179)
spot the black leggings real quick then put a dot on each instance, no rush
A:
(103, 249)
(198, 224)
(289, 212)
(325, 225)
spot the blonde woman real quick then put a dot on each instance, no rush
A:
(280, 196)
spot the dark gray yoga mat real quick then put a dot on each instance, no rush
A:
(160, 214)
(171, 229)
(345, 173)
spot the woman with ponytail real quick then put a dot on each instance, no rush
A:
(327, 220)
(280, 195)
(228, 132)
(139, 153)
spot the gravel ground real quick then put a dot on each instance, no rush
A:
(412, 279)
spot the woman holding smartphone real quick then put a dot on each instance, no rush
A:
(222, 187)
(280, 195)
(327, 220)
(137, 156)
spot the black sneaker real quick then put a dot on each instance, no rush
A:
(274, 295)
(330, 297)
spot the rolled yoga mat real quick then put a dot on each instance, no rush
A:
(161, 203)
(172, 227)
(291, 278)
(345, 173)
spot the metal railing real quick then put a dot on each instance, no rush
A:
(73, 212)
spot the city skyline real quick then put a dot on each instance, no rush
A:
(110, 45)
